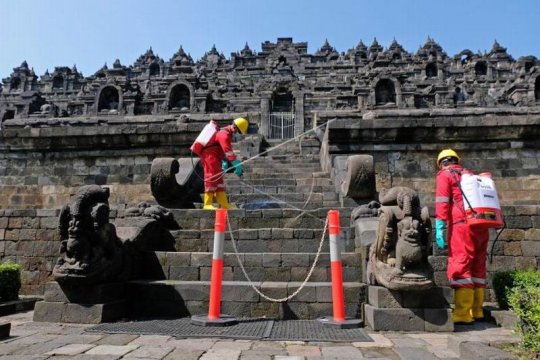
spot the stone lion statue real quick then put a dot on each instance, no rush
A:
(398, 258)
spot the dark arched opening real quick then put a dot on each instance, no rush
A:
(179, 98)
(9, 114)
(459, 96)
(58, 82)
(282, 102)
(153, 70)
(480, 68)
(108, 99)
(15, 83)
(385, 92)
(431, 70)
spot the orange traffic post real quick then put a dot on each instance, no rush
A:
(338, 298)
(338, 302)
(214, 317)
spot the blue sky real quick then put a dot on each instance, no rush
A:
(89, 33)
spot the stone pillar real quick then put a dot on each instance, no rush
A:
(265, 113)
(298, 113)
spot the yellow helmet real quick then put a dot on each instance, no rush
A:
(242, 125)
(447, 153)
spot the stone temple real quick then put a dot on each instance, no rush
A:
(62, 130)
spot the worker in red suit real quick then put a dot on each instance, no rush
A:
(217, 149)
(467, 246)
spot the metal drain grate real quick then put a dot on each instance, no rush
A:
(261, 329)
(313, 330)
(249, 329)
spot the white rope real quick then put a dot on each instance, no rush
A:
(303, 283)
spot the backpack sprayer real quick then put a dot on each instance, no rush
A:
(482, 207)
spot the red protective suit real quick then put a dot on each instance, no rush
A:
(467, 247)
(215, 150)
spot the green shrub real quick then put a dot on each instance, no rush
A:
(10, 281)
(524, 300)
(502, 282)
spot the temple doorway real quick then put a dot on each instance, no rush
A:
(179, 99)
(385, 93)
(108, 99)
(281, 124)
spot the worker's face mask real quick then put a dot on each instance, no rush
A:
(237, 137)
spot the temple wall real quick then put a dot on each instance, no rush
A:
(43, 163)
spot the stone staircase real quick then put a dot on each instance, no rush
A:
(277, 247)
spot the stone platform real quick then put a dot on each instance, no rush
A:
(427, 310)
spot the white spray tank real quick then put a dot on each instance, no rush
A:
(481, 200)
(204, 137)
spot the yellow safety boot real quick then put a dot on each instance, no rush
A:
(222, 200)
(478, 302)
(463, 301)
(208, 201)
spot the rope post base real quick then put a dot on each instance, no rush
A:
(338, 301)
(222, 320)
(341, 324)
(214, 317)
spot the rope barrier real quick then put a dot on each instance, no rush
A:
(303, 283)
(215, 309)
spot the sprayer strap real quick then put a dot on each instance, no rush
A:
(452, 172)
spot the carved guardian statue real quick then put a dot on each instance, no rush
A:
(398, 258)
(95, 251)
(90, 250)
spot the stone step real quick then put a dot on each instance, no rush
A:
(286, 171)
(310, 197)
(195, 266)
(275, 189)
(300, 162)
(270, 174)
(262, 240)
(278, 180)
(277, 157)
(197, 219)
(238, 298)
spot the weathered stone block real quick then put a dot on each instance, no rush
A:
(297, 259)
(475, 350)
(79, 313)
(380, 297)
(96, 294)
(438, 320)
(394, 319)
(434, 298)
(185, 273)
(5, 327)
(530, 248)
(276, 290)
(193, 291)
(307, 294)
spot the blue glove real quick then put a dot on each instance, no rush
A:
(440, 233)
(238, 170)
(224, 165)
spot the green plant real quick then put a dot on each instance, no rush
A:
(524, 300)
(10, 281)
(502, 282)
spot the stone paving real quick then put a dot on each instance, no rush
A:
(32, 341)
